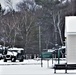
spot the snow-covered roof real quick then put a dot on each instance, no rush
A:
(51, 50)
(63, 47)
(15, 48)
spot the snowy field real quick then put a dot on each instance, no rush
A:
(31, 67)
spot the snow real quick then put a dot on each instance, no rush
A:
(31, 67)
(16, 48)
(12, 53)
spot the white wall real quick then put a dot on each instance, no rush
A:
(70, 23)
(71, 49)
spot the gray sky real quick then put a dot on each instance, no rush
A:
(13, 1)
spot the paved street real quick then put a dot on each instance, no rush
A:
(29, 67)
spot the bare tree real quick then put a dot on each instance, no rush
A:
(10, 21)
(9, 4)
(27, 22)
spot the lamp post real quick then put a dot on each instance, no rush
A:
(52, 58)
(40, 44)
(58, 56)
(58, 53)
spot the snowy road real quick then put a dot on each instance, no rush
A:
(29, 67)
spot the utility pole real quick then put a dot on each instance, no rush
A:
(40, 44)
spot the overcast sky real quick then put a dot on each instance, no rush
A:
(4, 4)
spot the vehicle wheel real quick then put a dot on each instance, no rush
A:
(21, 60)
(5, 60)
(0, 58)
(13, 59)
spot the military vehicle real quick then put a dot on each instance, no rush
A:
(14, 54)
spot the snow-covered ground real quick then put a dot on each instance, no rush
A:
(31, 67)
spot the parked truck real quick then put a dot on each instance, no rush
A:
(14, 54)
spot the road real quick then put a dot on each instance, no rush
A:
(28, 67)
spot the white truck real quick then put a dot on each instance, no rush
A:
(14, 54)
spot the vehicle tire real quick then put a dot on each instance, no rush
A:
(0, 58)
(21, 60)
(5, 60)
(13, 59)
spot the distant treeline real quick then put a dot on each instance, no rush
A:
(21, 28)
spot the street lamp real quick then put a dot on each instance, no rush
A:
(58, 56)
(40, 44)
(58, 53)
